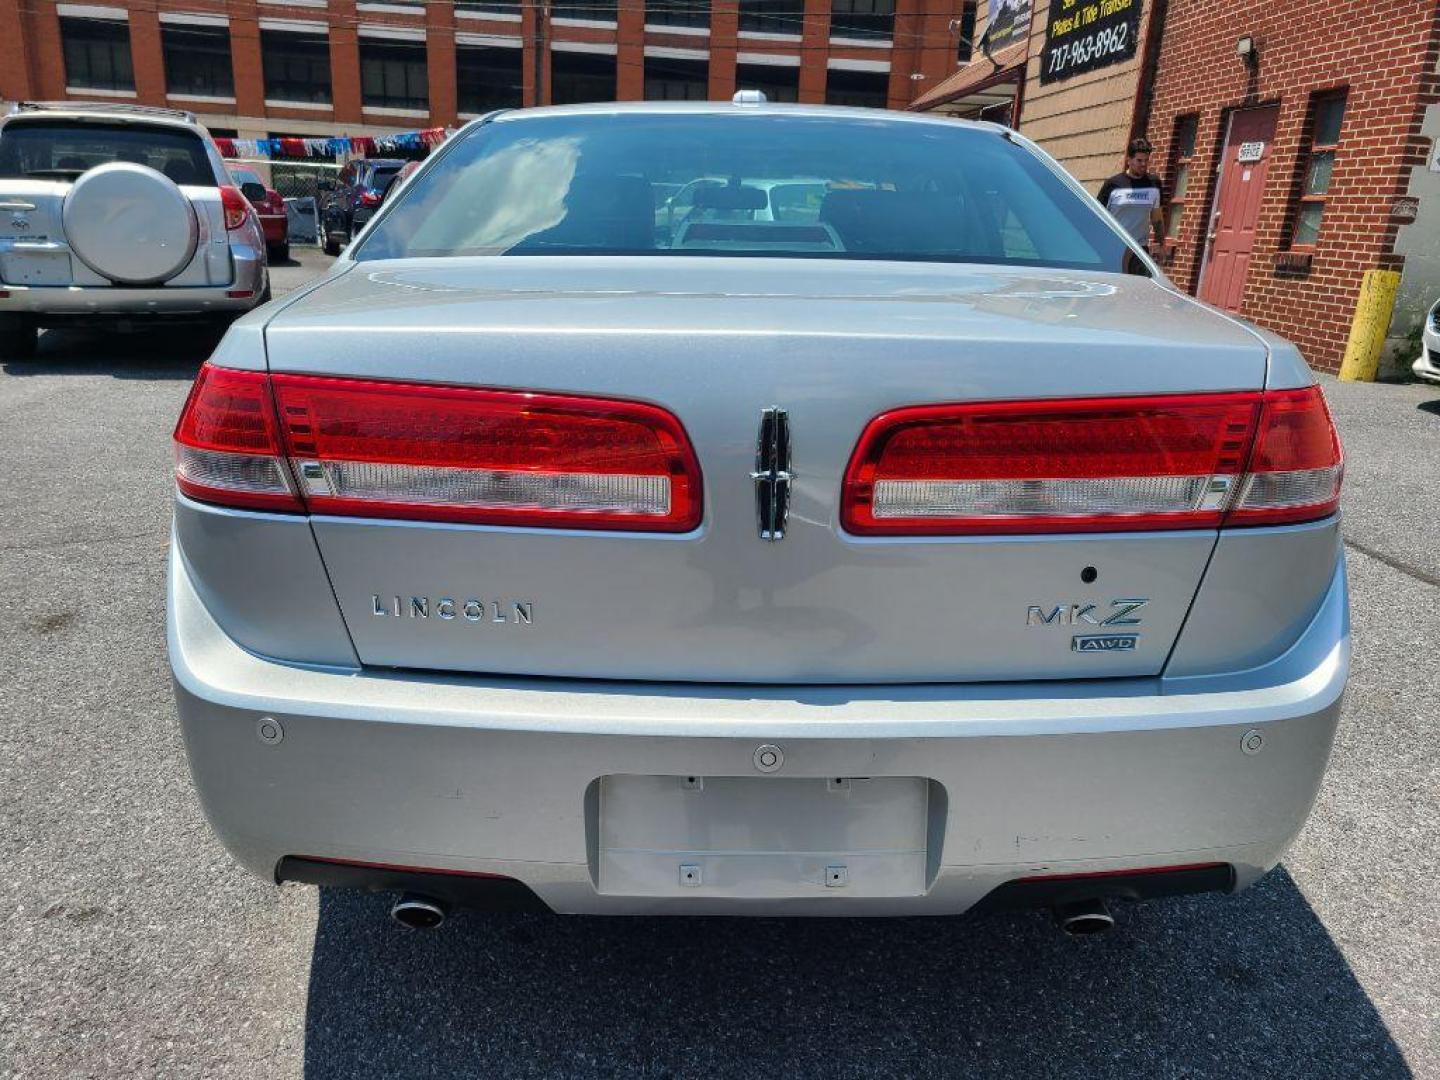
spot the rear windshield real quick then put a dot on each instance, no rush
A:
(62, 150)
(750, 184)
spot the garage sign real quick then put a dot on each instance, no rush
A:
(1083, 35)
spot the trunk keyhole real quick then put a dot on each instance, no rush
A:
(1089, 574)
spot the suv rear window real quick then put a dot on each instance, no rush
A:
(759, 183)
(62, 150)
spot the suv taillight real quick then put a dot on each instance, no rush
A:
(235, 205)
(439, 453)
(370, 198)
(1094, 464)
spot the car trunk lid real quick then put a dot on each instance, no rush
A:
(718, 342)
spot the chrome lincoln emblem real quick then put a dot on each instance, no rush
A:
(772, 473)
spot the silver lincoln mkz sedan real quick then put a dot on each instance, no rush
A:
(898, 543)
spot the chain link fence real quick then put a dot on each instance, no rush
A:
(298, 183)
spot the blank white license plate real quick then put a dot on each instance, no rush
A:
(36, 268)
(762, 837)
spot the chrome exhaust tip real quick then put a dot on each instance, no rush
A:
(1082, 918)
(418, 912)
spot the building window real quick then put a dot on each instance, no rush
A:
(862, 19)
(775, 82)
(965, 46)
(866, 89)
(97, 53)
(297, 66)
(589, 10)
(581, 76)
(487, 78)
(1182, 156)
(392, 75)
(495, 7)
(677, 12)
(772, 17)
(197, 60)
(1317, 164)
(673, 79)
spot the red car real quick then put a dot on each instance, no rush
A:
(270, 209)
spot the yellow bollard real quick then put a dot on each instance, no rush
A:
(1372, 322)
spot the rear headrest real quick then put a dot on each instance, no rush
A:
(608, 211)
(897, 221)
(181, 171)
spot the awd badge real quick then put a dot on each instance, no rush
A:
(1104, 642)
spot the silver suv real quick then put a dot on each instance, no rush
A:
(119, 211)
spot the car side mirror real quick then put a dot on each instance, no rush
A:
(253, 191)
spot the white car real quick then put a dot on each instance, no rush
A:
(1427, 364)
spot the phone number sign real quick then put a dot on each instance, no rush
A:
(1082, 35)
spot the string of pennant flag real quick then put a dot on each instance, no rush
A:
(341, 146)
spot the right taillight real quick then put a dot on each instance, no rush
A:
(1094, 464)
(1296, 468)
(408, 451)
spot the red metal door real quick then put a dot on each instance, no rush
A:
(1243, 165)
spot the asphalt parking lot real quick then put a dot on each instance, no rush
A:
(130, 944)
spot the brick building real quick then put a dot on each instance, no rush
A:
(1294, 140)
(1081, 112)
(315, 67)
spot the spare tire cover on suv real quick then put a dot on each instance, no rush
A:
(130, 223)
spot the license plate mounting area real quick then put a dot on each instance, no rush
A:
(762, 837)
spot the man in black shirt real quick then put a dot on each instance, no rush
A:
(1133, 196)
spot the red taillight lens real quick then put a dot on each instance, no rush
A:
(378, 449)
(435, 453)
(1099, 464)
(227, 443)
(1296, 470)
(235, 206)
(370, 198)
(1050, 466)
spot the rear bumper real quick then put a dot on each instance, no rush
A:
(64, 302)
(499, 776)
(276, 227)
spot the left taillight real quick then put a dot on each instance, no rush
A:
(235, 206)
(370, 198)
(407, 451)
(228, 448)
